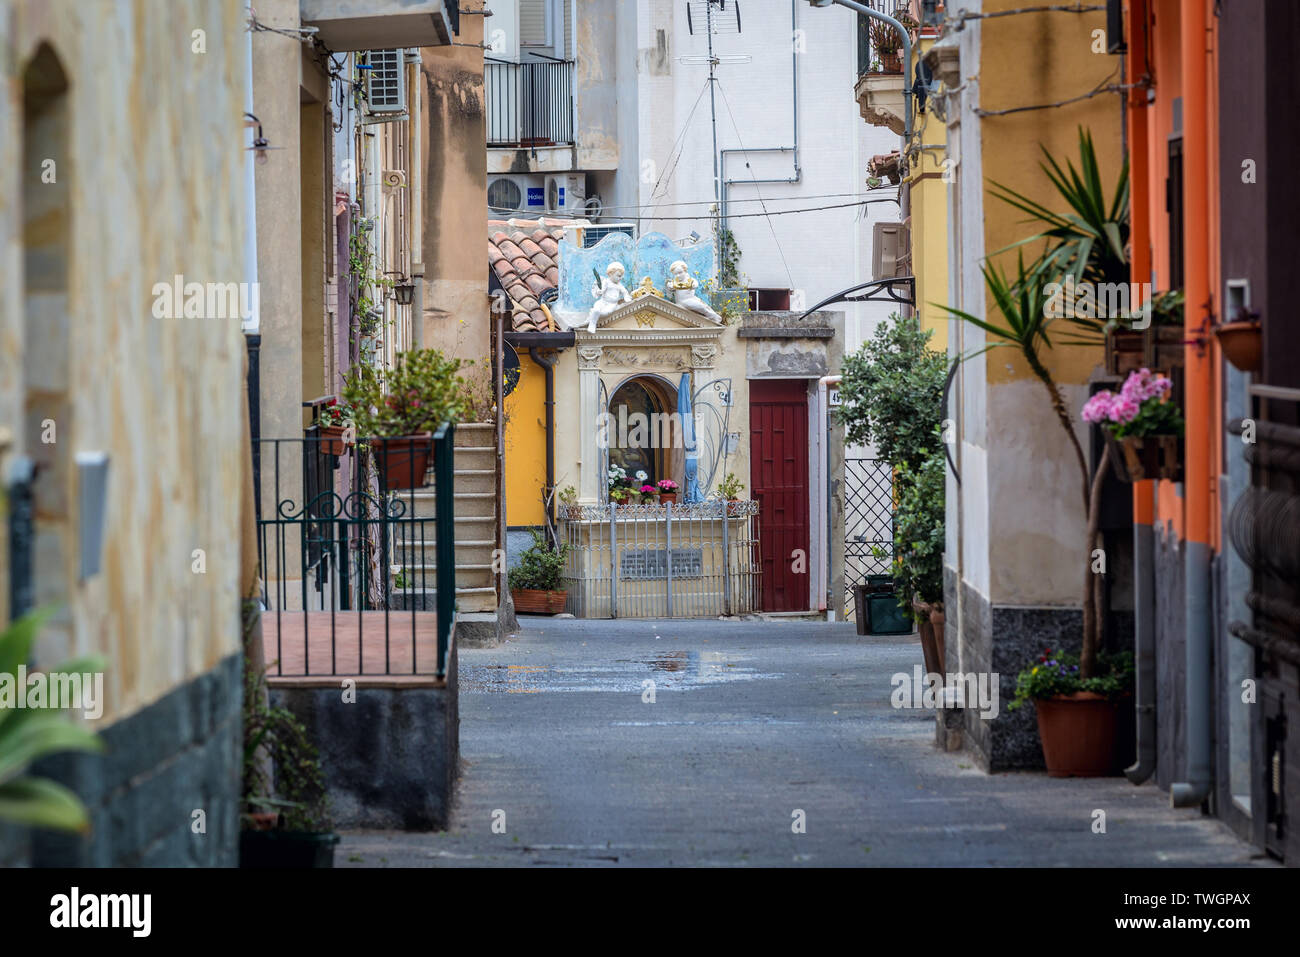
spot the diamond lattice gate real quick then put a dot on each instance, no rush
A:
(868, 522)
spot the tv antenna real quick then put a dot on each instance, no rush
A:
(714, 17)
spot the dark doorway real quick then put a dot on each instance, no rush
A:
(778, 424)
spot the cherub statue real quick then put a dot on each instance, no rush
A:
(609, 294)
(682, 286)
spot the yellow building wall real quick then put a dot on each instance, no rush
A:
(929, 216)
(1025, 60)
(525, 446)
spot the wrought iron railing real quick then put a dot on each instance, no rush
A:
(1264, 523)
(530, 103)
(661, 561)
(871, 60)
(356, 549)
(868, 521)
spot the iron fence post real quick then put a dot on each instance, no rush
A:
(444, 442)
(613, 560)
(668, 534)
(726, 563)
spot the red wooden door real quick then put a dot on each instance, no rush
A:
(778, 463)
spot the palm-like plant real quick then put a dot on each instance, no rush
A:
(1021, 301)
(1089, 243)
(27, 734)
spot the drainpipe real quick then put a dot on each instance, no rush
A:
(252, 324)
(1144, 614)
(1196, 490)
(1144, 600)
(794, 99)
(823, 389)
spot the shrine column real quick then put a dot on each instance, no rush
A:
(588, 419)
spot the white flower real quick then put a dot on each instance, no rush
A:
(641, 476)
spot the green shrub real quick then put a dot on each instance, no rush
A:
(541, 567)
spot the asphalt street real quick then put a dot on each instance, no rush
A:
(566, 761)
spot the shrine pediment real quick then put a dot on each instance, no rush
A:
(654, 312)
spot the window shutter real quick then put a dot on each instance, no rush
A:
(532, 23)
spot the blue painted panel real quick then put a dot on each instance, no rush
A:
(651, 256)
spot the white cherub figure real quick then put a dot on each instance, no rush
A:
(609, 295)
(682, 285)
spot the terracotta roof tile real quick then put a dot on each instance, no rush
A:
(525, 258)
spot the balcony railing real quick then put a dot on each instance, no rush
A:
(357, 554)
(871, 60)
(529, 104)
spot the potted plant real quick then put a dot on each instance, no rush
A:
(399, 408)
(286, 820)
(1141, 426)
(730, 488)
(27, 734)
(667, 491)
(536, 583)
(1150, 337)
(1242, 341)
(568, 499)
(649, 494)
(1077, 717)
(918, 552)
(333, 420)
(887, 43)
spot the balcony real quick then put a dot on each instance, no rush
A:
(529, 104)
(349, 25)
(879, 88)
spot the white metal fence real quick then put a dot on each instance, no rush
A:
(662, 561)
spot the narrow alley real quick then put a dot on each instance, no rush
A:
(750, 722)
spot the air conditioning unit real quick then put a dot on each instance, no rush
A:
(566, 192)
(886, 249)
(385, 81)
(594, 234)
(517, 193)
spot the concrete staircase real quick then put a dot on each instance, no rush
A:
(475, 496)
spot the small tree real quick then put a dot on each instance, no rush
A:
(891, 393)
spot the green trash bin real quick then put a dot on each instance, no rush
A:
(878, 611)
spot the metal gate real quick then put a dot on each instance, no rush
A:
(661, 561)
(868, 522)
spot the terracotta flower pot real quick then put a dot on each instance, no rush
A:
(891, 62)
(1242, 344)
(331, 439)
(403, 460)
(536, 601)
(666, 497)
(931, 637)
(1078, 734)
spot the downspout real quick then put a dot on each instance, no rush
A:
(1144, 614)
(1196, 490)
(417, 204)
(253, 323)
(794, 99)
(823, 387)
(1144, 600)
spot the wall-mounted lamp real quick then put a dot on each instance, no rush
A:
(260, 142)
(404, 292)
(92, 491)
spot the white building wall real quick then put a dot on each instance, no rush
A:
(817, 253)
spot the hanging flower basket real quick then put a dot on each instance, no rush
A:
(1242, 344)
(1155, 347)
(1136, 458)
